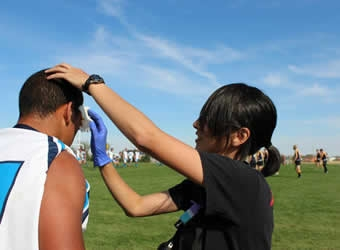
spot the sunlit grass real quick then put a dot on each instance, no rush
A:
(307, 210)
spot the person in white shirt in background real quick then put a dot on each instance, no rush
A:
(131, 156)
(125, 158)
(113, 156)
(137, 156)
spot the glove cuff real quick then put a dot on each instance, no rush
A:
(101, 162)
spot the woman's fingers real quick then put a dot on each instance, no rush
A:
(75, 76)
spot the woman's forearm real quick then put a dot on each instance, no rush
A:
(132, 203)
(140, 131)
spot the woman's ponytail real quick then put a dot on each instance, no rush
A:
(273, 163)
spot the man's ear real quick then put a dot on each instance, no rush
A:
(66, 110)
(240, 137)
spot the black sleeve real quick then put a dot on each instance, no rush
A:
(229, 185)
(185, 192)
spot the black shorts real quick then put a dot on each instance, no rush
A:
(259, 163)
(298, 162)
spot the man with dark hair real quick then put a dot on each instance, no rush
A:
(43, 191)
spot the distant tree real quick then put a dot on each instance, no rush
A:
(145, 158)
(283, 159)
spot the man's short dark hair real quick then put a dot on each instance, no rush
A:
(43, 97)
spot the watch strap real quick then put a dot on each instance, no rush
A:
(93, 79)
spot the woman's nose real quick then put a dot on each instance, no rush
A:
(196, 124)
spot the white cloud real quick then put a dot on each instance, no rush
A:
(132, 62)
(171, 51)
(111, 53)
(330, 69)
(274, 79)
(315, 90)
(171, 81)
(111, 7)
(98, 63)
(192, 59)
(170, 63)
(301, 89)
(220, 55)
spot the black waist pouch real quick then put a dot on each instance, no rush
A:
(186, 238)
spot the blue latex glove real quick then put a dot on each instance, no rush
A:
(98, 140)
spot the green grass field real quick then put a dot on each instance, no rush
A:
(307, 210)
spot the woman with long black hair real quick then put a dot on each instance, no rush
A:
(228, 204)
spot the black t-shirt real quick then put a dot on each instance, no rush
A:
(237, 205)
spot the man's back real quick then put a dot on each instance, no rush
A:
(42, 186)
(25, 157)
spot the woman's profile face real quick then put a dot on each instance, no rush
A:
(205, 141)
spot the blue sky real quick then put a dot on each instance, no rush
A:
(166, 57)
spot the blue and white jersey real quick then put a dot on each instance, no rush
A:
(25, 156)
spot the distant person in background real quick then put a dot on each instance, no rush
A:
(83, 155)
(78, 154)
(108, 150)
(116, 159)
(297, 160)
(131, 156)
(228, 204)
(137, 155)
(265, 156)
(89, 153)
(125, 157)
(252, 160)
(43, 191)
(318, 158)
(259, 160)
(113, 156)
(324, 156)
(109, 153)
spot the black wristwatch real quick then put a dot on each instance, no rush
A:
(93, 79)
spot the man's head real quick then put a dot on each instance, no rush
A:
(56, 100)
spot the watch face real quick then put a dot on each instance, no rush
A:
(93, 79)
(96, 78)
